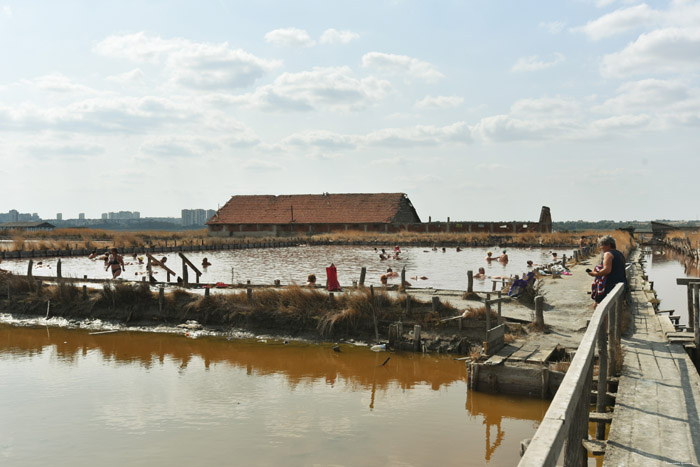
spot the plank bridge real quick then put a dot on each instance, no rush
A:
(654, 415)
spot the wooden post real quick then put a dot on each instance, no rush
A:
(575, 453)
(363, 273)
(206, 292)
(58, 268)
(84, 292)
(408, 304)
(618, 320)
(539, 311)
(185, 279)
(470, 281)
(416, 338)
(331, 298)
(161, 298)
(612, 342)
(249, 292)
(371, 292)
(602, 376)
(38, 287)
(691, 308)
(696, 308)
(436, 303)
(500, 319)
(29, 268)
(488, 315)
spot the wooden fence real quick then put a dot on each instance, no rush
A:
(566, 420)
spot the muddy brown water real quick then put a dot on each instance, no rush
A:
(138, 398)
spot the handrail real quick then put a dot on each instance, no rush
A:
(567, 416)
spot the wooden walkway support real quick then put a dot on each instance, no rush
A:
(657, 411)
(566, 420)
(156, 262)
(186, 262)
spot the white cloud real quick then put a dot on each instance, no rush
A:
(620, 21)
(420, 135)
(289, 37)
(493, 167)
(6, 11)
(191, 64)
(333, 36)
(401, 64)
(133, 76)
(505, 128)
(553, 27)
(390, 161)
(545, 106)
(56, 82)
(649, 95)
(621, 123)
(322, 138)
(260, 165)
(535, 63)
(440, 102)
(177, 146)
(670, 50)
(321, 88)
(62, 149)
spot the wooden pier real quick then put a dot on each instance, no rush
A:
(654, 415)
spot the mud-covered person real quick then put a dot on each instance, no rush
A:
(115, 262)
(612, 266)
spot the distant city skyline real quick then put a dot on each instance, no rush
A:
(476, 110)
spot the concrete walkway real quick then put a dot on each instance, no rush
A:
(657, 412)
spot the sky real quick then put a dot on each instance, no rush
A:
(478, 110)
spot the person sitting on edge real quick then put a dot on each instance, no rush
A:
(205, 263)
(503, 258)
(481, 274)
(311, 280)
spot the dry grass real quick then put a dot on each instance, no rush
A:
(562, 366)
(89, 238)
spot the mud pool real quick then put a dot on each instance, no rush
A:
(446, 270)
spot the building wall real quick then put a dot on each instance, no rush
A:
(290, 230)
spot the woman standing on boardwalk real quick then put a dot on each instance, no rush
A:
(612, 269)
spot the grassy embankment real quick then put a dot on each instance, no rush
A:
(61, 239)
(291, 310)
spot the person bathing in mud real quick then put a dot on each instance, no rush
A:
(311, 281)
(489, 257)
(205, 263)
(391, 273)
(116, 263)
(503, 258)
(481, 274)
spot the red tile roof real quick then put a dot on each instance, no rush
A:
(353, 208)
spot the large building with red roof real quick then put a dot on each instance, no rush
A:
(269, 215)
(289, 215)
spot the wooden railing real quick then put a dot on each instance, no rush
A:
(566, 420)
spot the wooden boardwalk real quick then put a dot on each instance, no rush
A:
(657, 411)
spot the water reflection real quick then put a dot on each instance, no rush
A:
(664, 266)
(156, 399)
